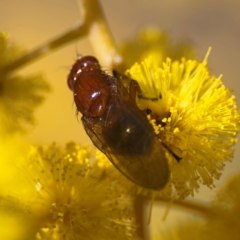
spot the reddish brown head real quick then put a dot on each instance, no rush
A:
(84, 63)
(91, 87)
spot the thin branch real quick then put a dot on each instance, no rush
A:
(99, 33)
(93, 26)
(140, 216)
(78, 31)
(190, 206)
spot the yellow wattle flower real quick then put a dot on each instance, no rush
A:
(194, 115)
(65, 193)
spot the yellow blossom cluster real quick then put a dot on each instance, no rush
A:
(194, 116)
(64, 193)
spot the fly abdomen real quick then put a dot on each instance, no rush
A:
(127, 134)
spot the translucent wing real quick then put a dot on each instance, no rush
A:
(125, 136)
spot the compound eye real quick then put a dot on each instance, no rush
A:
(83, 64)
(70, 82)
(89, 63)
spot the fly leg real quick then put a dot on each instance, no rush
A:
(133, 87)
(134, 91)
(178, 159)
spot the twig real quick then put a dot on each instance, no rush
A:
(78, 31)
(198, 208)
(93, 26)
(140, 216)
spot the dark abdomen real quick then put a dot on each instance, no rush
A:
(128, 132)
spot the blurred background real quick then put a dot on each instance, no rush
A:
(202, 23)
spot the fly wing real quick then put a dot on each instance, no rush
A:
(149, 171)
(147, 168)
(93, 129)
(125, 136)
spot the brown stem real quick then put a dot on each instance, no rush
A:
(190, 206)
(140, 215)
(99, 33)
(78, 31)
(93, 25)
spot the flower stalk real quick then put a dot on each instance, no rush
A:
(93, 25)
(190, 206)
(140, 216)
